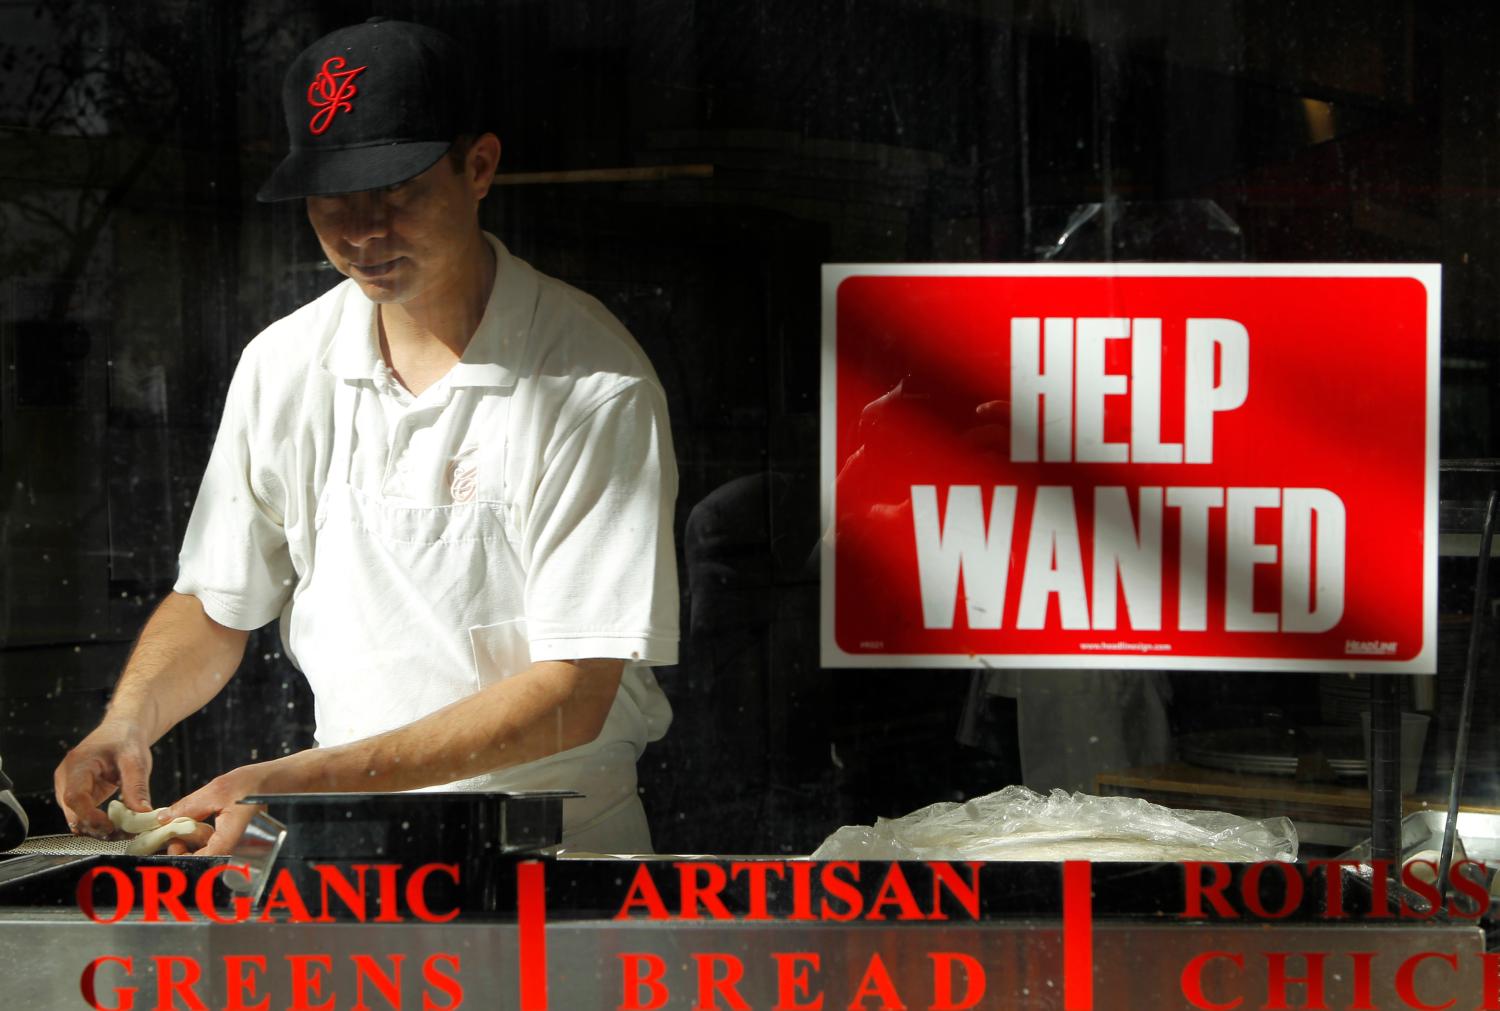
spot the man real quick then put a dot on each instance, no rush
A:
(450, 477)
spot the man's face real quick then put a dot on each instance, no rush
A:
(401, 244)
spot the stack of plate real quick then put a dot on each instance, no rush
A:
(1274, 751)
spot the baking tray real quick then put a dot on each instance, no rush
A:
(70, 845)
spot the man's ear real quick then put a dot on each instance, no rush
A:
(482, 162)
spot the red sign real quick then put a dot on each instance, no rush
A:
(1131, 465)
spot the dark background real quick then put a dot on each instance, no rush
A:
(134, 266)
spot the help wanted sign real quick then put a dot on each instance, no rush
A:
(1224, 467)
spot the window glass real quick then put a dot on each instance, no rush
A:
(693, 166)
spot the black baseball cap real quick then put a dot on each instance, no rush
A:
(372, 105)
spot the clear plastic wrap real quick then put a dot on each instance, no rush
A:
(1018, 824)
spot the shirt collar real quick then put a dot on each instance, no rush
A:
(354, 352)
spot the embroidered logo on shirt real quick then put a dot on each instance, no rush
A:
(330, 93)
(463, 478)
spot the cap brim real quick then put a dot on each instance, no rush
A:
(308, 173)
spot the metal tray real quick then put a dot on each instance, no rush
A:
(1423, 830)
(445, 826)
(1276, 750)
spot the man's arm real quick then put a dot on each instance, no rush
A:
(551, 706)
(181, 661)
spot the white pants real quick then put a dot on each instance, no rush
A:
(624, 830)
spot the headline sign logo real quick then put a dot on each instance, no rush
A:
(1220, 466)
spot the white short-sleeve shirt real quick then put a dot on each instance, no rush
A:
(553, 420)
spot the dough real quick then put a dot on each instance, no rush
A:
(133, 822)
(157, 838)
(151, 836)
(1420, 870)
(1427, 874)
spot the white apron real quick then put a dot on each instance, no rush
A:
(365, 682)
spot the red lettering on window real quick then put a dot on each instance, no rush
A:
(365, 967)
(1362, 960)
(1406, 981)
(445, 982)
(331, 879)
(124, 995)
(643, 893)
(416, 898)
(284, 895)
(894, 891)
(944, 964)
(713, 984)
(842, 889)
(1491, 976)
(124, 893)
(1291, 899)
(708, 892)
(642, 972)
(793, 985)
(203, 894)
(758, 874)
(965, 893)
(240, 986)
(877, 983)
(1198, 890)
(1192, 980)
(169, 987)
(307, 982)
(1277, 981)
(154, 897)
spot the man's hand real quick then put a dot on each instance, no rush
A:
(116, 756)
(181, 660)
(218, 802)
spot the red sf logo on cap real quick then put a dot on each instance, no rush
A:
(330, 92)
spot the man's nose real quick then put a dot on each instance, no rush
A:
(366, 218)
